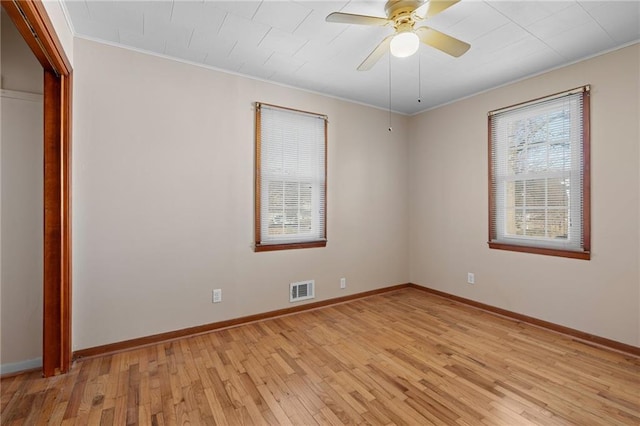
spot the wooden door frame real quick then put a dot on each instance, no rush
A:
(33, 23)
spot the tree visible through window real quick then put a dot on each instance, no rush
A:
(290, 178)
(539, 183)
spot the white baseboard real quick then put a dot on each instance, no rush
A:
(15, 367)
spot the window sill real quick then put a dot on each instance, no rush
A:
(584, 255)
(289, 246)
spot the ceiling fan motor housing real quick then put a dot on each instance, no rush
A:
(400, 12)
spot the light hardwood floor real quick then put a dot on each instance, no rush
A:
(404, 357)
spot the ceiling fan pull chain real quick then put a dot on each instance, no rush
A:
(419, 78)
(390, 128)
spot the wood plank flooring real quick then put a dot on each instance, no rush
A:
(405, 357)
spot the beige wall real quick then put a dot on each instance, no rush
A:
(163, 198)
(163, 201)
(20, 204)
(448, 206)
(21, 224)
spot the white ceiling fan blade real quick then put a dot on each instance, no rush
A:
(431, 8)
(377, 53)
(442, 42)
(350, 18)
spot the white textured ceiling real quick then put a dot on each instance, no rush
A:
(289, 42)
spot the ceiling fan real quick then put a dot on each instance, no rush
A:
(403, 15)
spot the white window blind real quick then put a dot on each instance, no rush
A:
(537, 173)
(291, 175)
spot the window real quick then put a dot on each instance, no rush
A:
(539, 176)
(291, 156)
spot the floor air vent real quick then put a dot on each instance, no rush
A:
(302, 290)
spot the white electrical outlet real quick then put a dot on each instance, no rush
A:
(471, 278)
(217, 295)
(343, 283)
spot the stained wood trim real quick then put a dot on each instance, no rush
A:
(275, 247)
(258, 177)
(586, 169)
(258, 247)
(326, 180)
(65, 219)
(177, 334)
(191, 331)
(52, 273)
(585, 254)
(601, 341)
(33, 23)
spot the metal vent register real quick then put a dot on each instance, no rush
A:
(302, 290)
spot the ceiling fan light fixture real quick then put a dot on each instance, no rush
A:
(404, 44)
